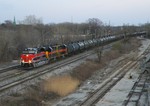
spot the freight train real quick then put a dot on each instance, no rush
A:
(34, 57)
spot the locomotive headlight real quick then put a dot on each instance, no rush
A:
(22, 61)
(29, 61)
(27, 55)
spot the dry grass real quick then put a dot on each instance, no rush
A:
(61, 85)
(85, 70)
(108, 56)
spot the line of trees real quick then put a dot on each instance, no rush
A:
(31, 32)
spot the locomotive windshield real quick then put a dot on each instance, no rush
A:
(30, 51)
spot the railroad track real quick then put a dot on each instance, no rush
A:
(9, 68)
(146, 52)
(109, 83)
(6, 87)
(136, 92)
(138, 88)
(7, 76)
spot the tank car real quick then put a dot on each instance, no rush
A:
(95, 43)
(86, 44)
(81, 46)
(70, 48)
(90, 43)
(76, 47)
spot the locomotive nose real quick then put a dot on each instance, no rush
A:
(26, 58)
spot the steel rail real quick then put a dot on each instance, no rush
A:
(2, 70)
(108, 84)
(139, 84)
(40, 73)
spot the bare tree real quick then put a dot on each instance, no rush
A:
(4, 46)
(94, 26)
(8, 22)
(31, 20)
(99, 51)
(146, 27)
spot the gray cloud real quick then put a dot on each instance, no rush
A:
(116, 11)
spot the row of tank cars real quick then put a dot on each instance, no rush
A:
(34, 57)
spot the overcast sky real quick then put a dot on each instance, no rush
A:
(117, 12)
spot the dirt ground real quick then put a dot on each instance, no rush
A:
(117, 94)
(78, 88)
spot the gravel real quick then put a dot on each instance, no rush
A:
(117, 94)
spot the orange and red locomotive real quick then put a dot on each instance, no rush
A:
(34, 57)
